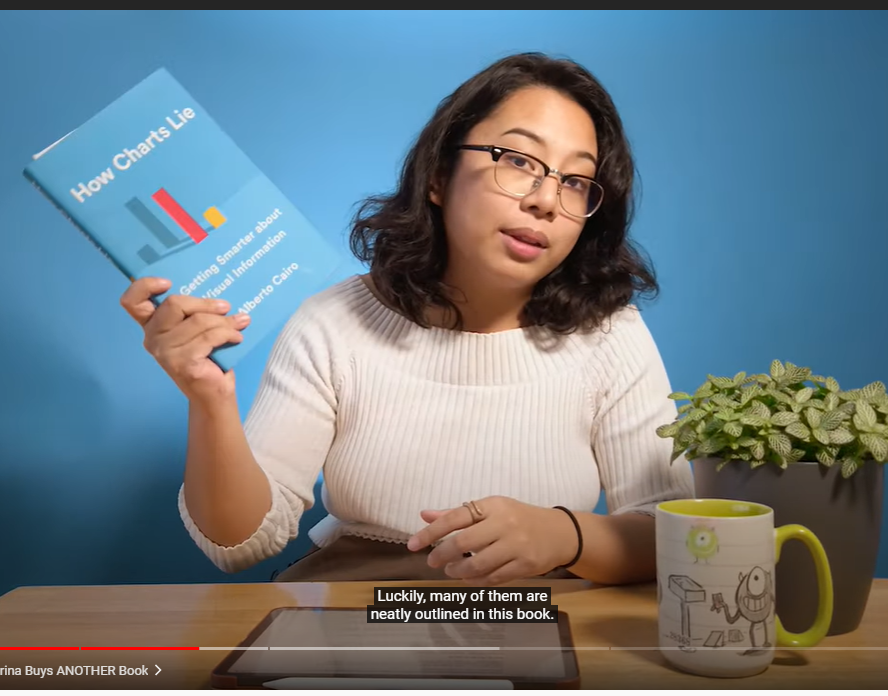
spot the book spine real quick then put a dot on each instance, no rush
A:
(107, 254)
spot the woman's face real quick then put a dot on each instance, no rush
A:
(506, 240)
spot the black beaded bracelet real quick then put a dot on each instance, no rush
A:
(579, 536)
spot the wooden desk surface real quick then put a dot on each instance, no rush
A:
(607, 622)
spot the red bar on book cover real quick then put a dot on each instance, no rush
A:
(178, 213)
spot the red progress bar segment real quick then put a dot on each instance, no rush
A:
(181, 217)
(41, 647)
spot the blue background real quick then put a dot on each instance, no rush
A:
(760, 138)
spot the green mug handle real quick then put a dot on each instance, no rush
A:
(817, 632)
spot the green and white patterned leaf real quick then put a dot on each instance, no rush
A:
(826, 457)
(873, 390)
(684, 408)
(697, 414)
(777, 369)
(840, 436)
(670, 430)
(757, 408)
(758, 450)
(750, 393)
(794, 374)
(721, 382)
(795, 455)
(780, 443)
(813, 417)
(780, 396)
(865, 416)
(803, 395)
(713, 425)
(831, 384)
(831, 402)
(747, 441)
(849, 466)
(723, 401)
(850, 395)
(784, 418)
(686, 436)
(877, 446)
(822, 436)
(753, 420)
(799, 430)
(703, 391)
(848, 408)
(680, 396)
(756, 463)
(712, 445)
(726, 415)
(739, 378)
(733, 428)
(830, 420)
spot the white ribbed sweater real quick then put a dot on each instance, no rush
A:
(400, 419)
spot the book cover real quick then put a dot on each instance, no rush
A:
(155, 183)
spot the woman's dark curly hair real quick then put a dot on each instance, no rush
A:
(402, 236)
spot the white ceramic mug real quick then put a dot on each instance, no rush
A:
(715, 586)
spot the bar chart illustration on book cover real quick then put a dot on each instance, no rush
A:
(157, 185)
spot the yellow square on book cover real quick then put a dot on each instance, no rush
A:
(160, 189)
(214, 217)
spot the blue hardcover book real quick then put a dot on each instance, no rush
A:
(161, 190)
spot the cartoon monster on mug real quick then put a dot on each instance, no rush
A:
(702, 542)
(754, 602)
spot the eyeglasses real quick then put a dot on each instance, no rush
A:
(520, 174)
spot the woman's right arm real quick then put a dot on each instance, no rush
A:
(237, 511)
(226, 493)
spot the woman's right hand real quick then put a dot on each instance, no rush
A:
(181, 333)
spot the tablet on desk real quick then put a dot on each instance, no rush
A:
(307, 647)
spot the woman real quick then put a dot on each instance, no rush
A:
(469, 398)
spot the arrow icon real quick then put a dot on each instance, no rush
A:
(158, 670)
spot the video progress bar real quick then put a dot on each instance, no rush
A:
(349, 649)
(93, 647)
(412, 648)
(533, 649)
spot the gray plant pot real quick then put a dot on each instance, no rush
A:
(845, 514)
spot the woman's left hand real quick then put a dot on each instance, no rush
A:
(511, 540)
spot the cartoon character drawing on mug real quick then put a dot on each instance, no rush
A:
(702, 542)
(754, 601)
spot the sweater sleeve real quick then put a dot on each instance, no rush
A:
(290, 428)
(634, 461)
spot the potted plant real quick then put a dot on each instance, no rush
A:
(800, 444)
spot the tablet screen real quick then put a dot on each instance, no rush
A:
(341, 643)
